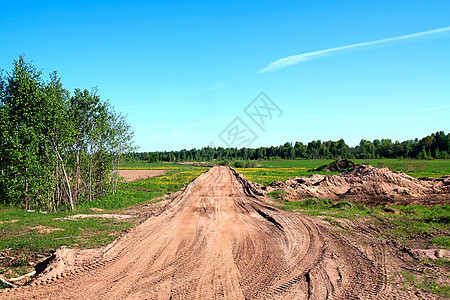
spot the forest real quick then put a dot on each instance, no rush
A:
(435, 145)
(57, 148)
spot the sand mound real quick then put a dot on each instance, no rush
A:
(343, 165)
(367, 184)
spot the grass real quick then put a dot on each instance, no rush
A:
(415, 220)
(427, 283)
(21, 239)
(285, 169)
(442, 241)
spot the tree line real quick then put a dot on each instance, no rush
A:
(57, 148)
(436, 145)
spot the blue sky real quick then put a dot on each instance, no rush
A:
(183, 71)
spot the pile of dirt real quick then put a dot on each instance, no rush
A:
(343, 165)
(368, 185)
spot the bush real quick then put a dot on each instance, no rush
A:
(244, 164)
(239, 164)
(224, 163)
(250, 164)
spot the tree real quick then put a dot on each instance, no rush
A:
(56, 149)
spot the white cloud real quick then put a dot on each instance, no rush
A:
(296, 59)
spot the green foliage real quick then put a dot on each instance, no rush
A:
(224, 163)
(244, 164)
(315, 206)
(55, 149)
(239, 164)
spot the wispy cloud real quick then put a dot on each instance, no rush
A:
(215, 87)
(296, 59)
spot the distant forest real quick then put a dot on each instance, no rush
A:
(436, 145)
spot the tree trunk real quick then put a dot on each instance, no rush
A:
(117, 178)
(90, 178)
(77, 175)
(65, 176)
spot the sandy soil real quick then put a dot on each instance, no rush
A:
(215, 241)
(133, 175)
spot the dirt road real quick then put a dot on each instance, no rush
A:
(215, 242)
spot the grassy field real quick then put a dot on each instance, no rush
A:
(27, 236)
(284, 169)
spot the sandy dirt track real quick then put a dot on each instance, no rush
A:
(213, 241)
(133, 175)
